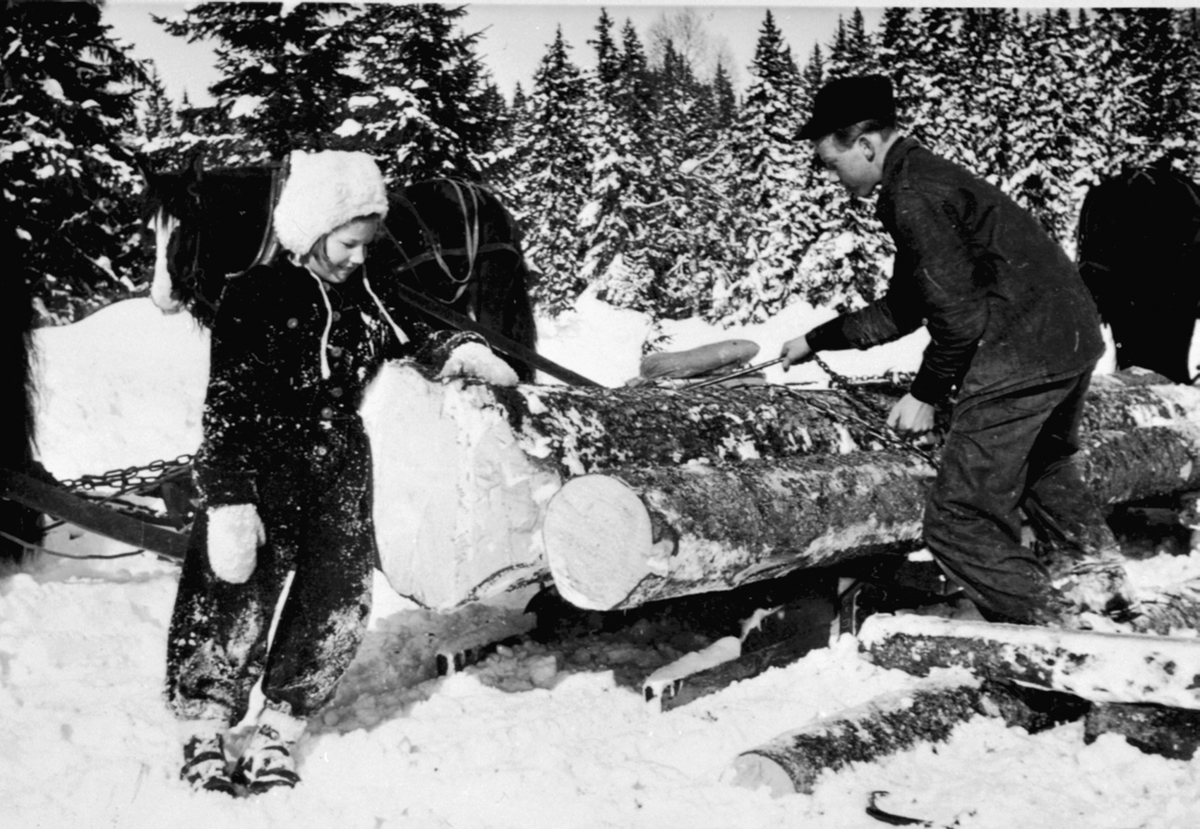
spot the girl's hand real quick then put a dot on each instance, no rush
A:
(235, 532)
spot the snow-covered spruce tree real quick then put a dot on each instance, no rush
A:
(69, 183)
(848, 263)
(550, 179)
(1119, 100)
(614, 222)
(1186, 155)
(512, 127)
(157, 119)
(286, 78)
(688, 251)
(934, 51)
(428, 108)
(773, 227)
(982, 90)
(1054, 166)
(897, 52)
(724, 99)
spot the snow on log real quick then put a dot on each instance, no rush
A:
(1101, 667)
(926, 713)
(457, 503)
(793, 761)
(620, 539)
(479, 490)
(1154, 729)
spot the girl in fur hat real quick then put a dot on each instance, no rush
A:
(284, 471)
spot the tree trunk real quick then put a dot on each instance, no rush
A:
(620, 540)
(1101, 667)
(629, 495)
(1155, 729)
(792, 762)
(895, 722)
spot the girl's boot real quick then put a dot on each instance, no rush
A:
(267, 761)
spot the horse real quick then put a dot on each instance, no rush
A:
(1138, 251)
(451, 241)
(20, 526)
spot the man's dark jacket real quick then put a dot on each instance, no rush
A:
(1004, 305)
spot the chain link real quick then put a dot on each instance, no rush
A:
(132, 478)
(870, 415)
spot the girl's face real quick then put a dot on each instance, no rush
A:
(345, 250)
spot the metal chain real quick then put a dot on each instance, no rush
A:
(874, 415)
(132, 478)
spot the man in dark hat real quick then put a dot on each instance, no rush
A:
(1014, 338)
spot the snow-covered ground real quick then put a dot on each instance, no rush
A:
(85, 740)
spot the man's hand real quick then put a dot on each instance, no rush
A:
(910, 417)
(795, 351)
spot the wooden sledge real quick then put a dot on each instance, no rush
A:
(55, 501)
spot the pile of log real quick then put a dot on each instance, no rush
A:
(626, 496)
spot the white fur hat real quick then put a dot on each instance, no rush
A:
(323, 191)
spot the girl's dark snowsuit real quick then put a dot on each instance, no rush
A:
(1014, 336)
(280, 435)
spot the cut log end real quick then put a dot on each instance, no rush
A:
(608, 529)
(754, 771)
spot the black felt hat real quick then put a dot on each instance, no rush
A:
(847, 101)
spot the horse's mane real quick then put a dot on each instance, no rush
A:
(176, 191)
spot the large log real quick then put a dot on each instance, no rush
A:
(621, 540)
(716, 486)
(1100, 667)
(634, 535)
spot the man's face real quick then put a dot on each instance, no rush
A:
(854, 167)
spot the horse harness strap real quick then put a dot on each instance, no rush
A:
(269, 246)
(436, 252)
(495, 340)
(488, 247)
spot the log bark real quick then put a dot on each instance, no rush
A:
(690, 529)
(1101, 667)
(1155, 729)
(483, 493)
(715, 527)
(927, 713)
(793, 761)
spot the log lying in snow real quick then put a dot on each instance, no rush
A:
(927, 713)
(888, 724)
(1155, 729)
(703, 490)
(1101, 667)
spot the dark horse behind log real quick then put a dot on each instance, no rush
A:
(19, 525)
(449, 241)
(1139, 254)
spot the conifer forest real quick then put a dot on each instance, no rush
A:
(637, 170)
